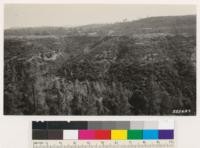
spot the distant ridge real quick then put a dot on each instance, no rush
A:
(161, 24)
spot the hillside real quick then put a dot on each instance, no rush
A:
(165, 24)
(112, 69)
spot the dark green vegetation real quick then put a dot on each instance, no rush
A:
(145, 67)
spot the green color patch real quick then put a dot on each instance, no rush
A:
(135, 134)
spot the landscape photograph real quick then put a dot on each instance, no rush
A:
(95, 59)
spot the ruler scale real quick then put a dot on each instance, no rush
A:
(103, 134)
(103, 144)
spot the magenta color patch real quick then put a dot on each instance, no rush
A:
(86, 134)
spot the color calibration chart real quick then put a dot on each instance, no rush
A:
(103, 134)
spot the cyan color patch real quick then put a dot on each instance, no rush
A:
(150, 134)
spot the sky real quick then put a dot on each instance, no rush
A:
(35, 15)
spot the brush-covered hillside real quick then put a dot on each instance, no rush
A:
(143, 67)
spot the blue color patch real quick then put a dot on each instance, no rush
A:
(150, 134)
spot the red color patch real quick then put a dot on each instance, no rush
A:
(102, 134)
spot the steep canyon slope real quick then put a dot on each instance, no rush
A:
(101, 71)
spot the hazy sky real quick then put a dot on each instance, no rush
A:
(31, 15)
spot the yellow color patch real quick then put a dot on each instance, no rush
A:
(118, 134)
